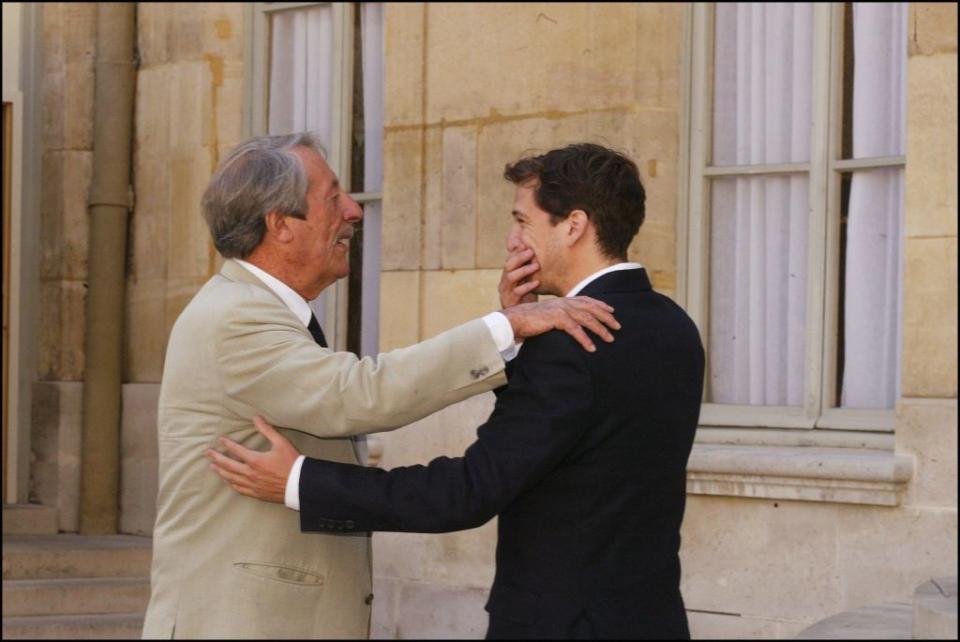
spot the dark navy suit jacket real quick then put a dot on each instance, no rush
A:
(584, 460)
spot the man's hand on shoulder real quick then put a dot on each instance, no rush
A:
(570, 315)
(261, 475)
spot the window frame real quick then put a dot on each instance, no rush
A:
(824, 171)
(255, 123)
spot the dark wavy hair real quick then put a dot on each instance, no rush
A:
(602, 182)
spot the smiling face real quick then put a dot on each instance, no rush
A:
(532, 228)
(320, 249)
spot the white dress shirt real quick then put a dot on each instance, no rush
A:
(297, 304)
(500, 330)
(596, 275)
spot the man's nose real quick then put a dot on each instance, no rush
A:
(514, 244)
(353, 212)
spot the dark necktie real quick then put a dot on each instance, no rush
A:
(317, 333)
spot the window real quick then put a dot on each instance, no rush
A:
(795, 198)
(319, 67)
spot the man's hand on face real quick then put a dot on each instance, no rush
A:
(261, 475)
(570, 315)
(516, 285)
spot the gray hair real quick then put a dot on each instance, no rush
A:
(260, 176)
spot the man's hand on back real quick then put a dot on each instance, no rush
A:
(261, 475)
(570, 315)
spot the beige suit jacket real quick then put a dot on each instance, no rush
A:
(225, 565)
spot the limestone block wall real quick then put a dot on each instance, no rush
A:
(69, 49)
(188, 109)
(188, 113)
(469, 88)
(67, 99)
(930, 292)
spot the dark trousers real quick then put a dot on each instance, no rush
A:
(591, 626)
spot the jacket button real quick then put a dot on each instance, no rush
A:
(369, 599)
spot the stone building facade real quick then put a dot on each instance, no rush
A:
(770, 544)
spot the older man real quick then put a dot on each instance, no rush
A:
(584, 456)
(225, 566)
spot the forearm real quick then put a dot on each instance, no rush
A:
(536, 422)
(335, 394)
(347, 498)
(407, 384)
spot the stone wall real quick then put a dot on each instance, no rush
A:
(189, 102)
(930, 293)
(67, 87)
(67, 105)
(188, 108)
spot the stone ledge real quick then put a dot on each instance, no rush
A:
(29, 519)
(843, 475)
(935, 610)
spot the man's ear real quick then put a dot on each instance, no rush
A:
(577, 223)
(278, 227)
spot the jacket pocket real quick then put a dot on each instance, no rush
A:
(281, 573)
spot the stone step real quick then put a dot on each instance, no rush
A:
(77, 596)
(74, 627)
(935, 610)
(75, 556)
(888, 621)
(29, 519)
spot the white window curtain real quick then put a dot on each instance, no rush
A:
(301, 72)
(301, 99)
(873, 296)
(372, 34)
(758, 246)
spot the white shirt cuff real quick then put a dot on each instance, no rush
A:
(502, 333)
(291, 496)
